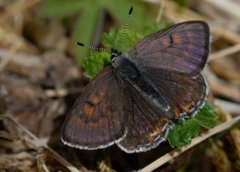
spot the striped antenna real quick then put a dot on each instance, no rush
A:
(122, 40)
(126, 25)
(92, 48)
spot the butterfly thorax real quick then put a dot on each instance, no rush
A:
(126, 67)
(130, 72)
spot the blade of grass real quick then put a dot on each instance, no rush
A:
(62, 8)
(84, 32)
(39, 143)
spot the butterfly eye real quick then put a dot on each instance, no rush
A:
(115, 53)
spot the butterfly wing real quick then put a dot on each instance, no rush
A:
(182, 48)
(184, 94)
(96, 119)
(145, 128)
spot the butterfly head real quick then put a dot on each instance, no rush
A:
(114, 53)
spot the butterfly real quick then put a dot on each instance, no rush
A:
(134, 102)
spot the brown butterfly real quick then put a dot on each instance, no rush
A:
(135, 101)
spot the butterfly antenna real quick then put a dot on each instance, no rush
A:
(93, 48)
(126, 25)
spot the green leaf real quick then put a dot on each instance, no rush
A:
(95, 63)
(206, 117)
(181, 134)
(62, 8)
(110, 39)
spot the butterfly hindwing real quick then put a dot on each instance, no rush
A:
(146, 128)
(96, 119)
(181, 48)
(184, 94)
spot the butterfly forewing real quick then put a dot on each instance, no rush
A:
(182, 48)
(96, 119)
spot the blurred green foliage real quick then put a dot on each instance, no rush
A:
(95, 63)
(182, 3)
(89, 14)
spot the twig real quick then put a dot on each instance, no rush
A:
(160, 11)
(225, 52)
(63, 161)
(12, 52)
(56, 93)
(41, 164)
(62, 92)
(18, 7)
(172, 13)
(230, 7)
(228, 106)
(176, 152)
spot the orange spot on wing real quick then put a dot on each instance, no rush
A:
(165, 41)
(185, 107)
(177, 39)
(176, 112)
(88, 109)
(159, 128)
(95, 100)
